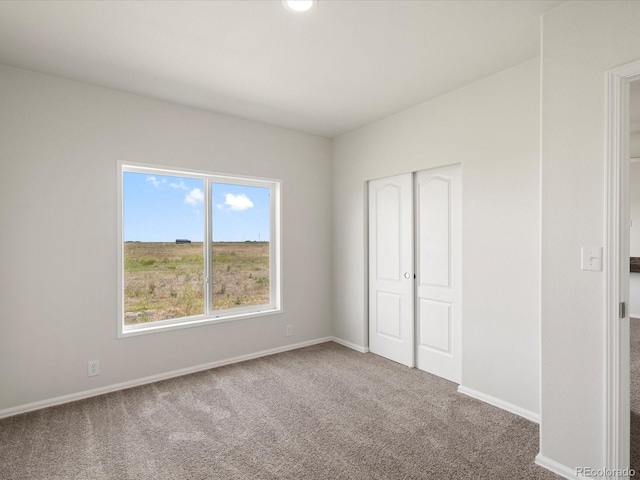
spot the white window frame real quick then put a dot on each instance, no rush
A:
(210, 316)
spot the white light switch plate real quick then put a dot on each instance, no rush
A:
(592, 258)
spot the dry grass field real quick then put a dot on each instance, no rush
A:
(166, 280)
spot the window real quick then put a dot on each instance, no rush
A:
(195, 248)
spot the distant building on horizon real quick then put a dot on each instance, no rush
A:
(182, 240)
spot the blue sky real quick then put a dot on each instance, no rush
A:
(161, 208)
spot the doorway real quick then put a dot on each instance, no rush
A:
(634, 275)
(617, 329)
(415, 251)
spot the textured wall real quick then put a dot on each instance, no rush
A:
(581, 41)
(492, 128)
(59, 146)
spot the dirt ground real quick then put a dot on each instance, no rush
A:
(166, 280)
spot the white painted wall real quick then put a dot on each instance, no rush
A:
(634, 141)
(634, 210)
(59, 144)
(581, 40)
(634, 295)
(492, 128)
(634, 196)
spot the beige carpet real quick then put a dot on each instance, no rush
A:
(635, 393)
(322, 412)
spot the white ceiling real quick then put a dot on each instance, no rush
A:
(338, 67)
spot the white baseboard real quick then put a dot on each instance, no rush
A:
(559, 468)
(352, 346)
(8, 412)
(496, 402)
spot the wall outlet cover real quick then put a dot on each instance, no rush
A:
(93, 368)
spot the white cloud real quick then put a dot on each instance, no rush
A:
(155, 182)
(180, 185)
(237, 202)
(194, 197)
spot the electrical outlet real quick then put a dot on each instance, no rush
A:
(289, 330)
(93, 368)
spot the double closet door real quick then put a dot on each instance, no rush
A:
(415, 270)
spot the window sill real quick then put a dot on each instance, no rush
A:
(188, 322)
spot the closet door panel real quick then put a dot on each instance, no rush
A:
(391, 286)
(438, 252)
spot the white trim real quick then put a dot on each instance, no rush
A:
(496, 402)
(209, 316)
(558, 468)
(208, 257)
(28, 407)
(540, 240)
(188, 322)
(196, 173)
(615, 330)
(350, 345)
(540, 459)
(613, 293)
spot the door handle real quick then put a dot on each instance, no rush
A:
(407, 275)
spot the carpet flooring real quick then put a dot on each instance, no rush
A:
(634, 324)
(321, 412)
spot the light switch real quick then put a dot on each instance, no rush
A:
(592, 258)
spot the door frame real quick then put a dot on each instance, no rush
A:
(616, 329)
(367, 253)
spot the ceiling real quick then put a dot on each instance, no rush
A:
(342, 65)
